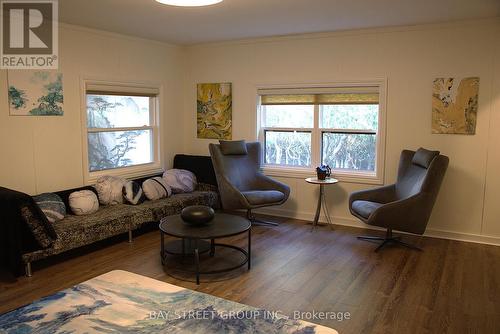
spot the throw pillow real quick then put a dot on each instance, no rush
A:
(132, 193)
(51, 205)
(109, 188)
(180, 180)
(156, 188)
(83, 202)
(233, 147)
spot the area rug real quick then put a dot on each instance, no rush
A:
(123, 302)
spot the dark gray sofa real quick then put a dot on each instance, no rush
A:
(77, 231)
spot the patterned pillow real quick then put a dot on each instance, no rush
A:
(109, 188)
(180, 180)
(132, 193)
(83, 202)
(156, 188)
(52, 206)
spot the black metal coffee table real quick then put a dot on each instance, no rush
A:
(194, 239)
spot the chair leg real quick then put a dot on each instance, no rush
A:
(251, 217)
(130, 236)
(27, 269)
(388, 239)
(398, 242)
(384, 243)
(371, 238)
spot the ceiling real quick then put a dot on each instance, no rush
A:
(239, 19)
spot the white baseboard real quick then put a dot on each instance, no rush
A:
(353, 222)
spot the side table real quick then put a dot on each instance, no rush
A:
(321, 199)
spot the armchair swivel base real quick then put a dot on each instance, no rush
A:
(255, 221)
(388, 239)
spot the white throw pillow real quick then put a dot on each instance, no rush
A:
(83, 202)
(180, 180)
(156, 188)
(109, 188)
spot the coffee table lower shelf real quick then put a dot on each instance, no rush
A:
(195, 247)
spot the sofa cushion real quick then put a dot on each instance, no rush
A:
(133, 193)
(51, 205)
(109, 189)
(180, 180)
(83, 202)
(261, 197)
(64, 194)
(201, 166)
(365, 208)
(153, 211)
(75, 231)
(156, 188)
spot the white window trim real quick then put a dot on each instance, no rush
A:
(341, 174)
(135, 171)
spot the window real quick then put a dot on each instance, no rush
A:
(121, 131)
(341, 126)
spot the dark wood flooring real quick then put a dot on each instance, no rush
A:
(451, 287)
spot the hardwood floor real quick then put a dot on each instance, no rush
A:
(451, 287)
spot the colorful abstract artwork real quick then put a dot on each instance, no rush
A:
(214, 111)
(454, 105)
(35, 93)
(123, 302)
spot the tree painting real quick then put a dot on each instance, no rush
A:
(51, 102)
(35, 93)
(17, 98)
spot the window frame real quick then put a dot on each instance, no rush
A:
(344, 175)
(125, 88)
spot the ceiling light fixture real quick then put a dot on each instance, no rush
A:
(189, 3)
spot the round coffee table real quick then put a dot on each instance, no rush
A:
(222, 226)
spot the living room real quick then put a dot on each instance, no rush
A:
(254, 53)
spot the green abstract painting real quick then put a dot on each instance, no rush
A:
(214, 111)
(35, 93)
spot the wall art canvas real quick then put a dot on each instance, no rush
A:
(35, 93)
(214, 110)
(454, 105)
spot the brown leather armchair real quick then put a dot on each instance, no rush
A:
(406, 205)
(241, 184)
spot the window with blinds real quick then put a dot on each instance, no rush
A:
(121, 128)
(338, 126)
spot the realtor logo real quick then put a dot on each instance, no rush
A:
(29, 35)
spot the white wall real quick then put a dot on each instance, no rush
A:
(410, 58)
(45, 153)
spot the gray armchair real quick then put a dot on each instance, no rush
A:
(406, 205)
(241, 184)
